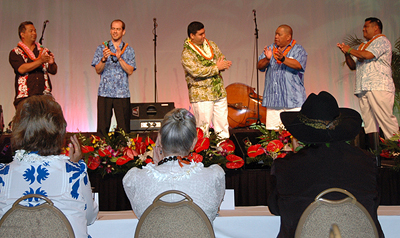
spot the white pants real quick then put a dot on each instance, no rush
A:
(273, 121)
(215, 112)
(377, 110)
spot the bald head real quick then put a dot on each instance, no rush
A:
(288, 30)
(283, 35)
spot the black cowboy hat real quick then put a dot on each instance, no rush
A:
(320, 120)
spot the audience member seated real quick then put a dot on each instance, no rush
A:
(206, 186)
(38, 167)
(327, 161)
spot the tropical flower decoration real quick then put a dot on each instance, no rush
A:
(116, 153)
(272, 145)
(390, 149)
(212, 149)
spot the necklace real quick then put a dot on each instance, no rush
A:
(173, 158)
(107, 43)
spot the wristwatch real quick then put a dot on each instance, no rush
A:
(104, 60)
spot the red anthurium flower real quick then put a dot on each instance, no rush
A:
(93, 162)
(281, 155)
(235, 162)
(255, 150)
(286, 134)
(140, 147)
(148, 160)
(130, 153)
(228, 146)
(274, 146)
(385, 154)
(202, 144)
(195, 157)
(123, 160)
(149, 141)
(200, 133)
(137, 139)
(86, 149)
(103, 152)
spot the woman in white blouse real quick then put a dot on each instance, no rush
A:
(206, 186)
(38, 167)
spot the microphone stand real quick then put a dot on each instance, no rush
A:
(44, 27)
(155, 59)
(258, 95)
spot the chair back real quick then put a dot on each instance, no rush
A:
(348, 214)
(174, 219)
(44, 220)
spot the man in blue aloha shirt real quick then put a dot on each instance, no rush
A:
(114, 61)
(284, 63)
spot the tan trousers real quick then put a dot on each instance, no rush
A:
(377, 110)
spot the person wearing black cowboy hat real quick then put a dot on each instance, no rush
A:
(326, 161)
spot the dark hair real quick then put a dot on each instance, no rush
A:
(123, 23)
(194, 27)
(39, 125)
(22, 27)
(178, 132)
(376, 21)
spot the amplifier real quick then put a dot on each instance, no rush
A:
(148, 116)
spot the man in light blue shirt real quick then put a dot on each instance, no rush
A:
(284, 63)
(114, 61)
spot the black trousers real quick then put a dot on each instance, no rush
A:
(104, 113)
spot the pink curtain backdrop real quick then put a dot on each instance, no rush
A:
(76, 28)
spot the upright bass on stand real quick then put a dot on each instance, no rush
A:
(242, 105)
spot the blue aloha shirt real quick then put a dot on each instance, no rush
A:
(65, 183)
(114, 80)
(284, 86)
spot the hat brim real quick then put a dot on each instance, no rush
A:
(347, 129)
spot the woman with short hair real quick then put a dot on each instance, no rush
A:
(206, 186)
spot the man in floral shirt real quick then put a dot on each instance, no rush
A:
(374, 82)
(32, 64)
(114, 61)
(203, 61)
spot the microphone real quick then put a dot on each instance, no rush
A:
(47, 21)
(254, 12)
(155, 22)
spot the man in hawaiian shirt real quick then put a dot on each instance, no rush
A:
(374, 83)
(284, 63)
(114, 61)
(203, 62)
(32, 64)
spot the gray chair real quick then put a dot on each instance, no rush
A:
(348, 214)
(42, 221)
(174, 219)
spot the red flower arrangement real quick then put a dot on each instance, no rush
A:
(390, 150)
(214, 150)
(116, 153)
(273, 144)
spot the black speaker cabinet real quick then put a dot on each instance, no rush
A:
(240, 137)
(148, 116)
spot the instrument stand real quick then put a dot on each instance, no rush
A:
(256, 38)
(155, 59)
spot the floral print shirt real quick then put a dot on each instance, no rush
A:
(376, 73)
(114, 80)
(65, 183)
(202, 81)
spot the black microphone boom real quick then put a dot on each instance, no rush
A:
(44, 27)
